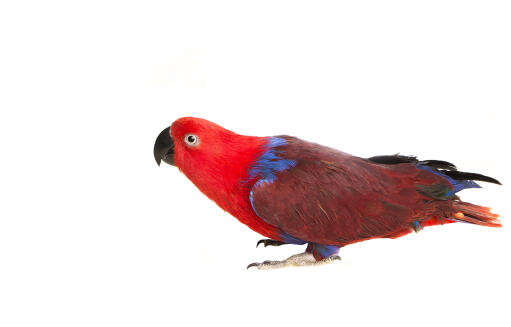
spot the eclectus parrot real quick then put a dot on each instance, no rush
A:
(296, 192)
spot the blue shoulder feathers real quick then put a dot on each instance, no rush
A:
(270, 162)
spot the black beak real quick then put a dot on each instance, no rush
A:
(164, 148)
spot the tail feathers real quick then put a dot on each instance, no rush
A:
(474, 214)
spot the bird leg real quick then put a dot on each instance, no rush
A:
(267, 242)
(297, 260)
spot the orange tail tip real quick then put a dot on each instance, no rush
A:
(475, 214)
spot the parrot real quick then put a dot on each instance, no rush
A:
(293, 191)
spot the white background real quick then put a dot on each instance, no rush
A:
(93, 233)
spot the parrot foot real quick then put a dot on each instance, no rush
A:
(267, 242)
(297, 260)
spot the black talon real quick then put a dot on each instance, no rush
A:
(267, 242)
(254, 264)
(336, 258)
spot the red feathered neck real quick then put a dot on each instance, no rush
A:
(218, 165)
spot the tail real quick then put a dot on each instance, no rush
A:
(474, 214)
(461, 211)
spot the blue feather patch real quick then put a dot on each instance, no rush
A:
(417, 226)
(270, 162)
(458, 185)
(290, 239)
(325, 250)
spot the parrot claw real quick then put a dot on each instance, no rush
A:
(267, 242)
(267, 263)
(253, 264)
(297, 260)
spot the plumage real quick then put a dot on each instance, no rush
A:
(297, 192)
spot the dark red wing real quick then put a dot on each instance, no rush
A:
(331, 197)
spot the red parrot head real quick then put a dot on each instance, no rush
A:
(189, 139)
(206, 152)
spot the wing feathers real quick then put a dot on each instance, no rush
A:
(331, 197)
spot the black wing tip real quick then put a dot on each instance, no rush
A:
(490, 180)
(393, 159)
(438, 164)
(397, 159)
(442, 166)
(460, 175)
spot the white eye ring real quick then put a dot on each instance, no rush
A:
(191, 139)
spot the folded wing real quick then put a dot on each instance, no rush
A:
(331, 197)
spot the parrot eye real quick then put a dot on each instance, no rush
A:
(191, 139)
